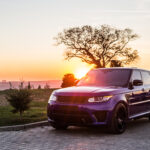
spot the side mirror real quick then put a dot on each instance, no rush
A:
(130, 85)
(137, 82)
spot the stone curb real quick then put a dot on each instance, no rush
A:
(24, 126)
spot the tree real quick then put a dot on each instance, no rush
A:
(29, 86)
(115, 63)
(39, 87)
(99, 45)
(21, 85)
(19, 99)
(47, 87)
(68, 80)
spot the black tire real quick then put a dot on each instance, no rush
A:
(149, 118)
(119, 118)
(59, 126)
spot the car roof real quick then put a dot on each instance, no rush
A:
(125, 68)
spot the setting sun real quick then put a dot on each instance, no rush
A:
(81, 72)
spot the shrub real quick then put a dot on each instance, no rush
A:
(19, 100)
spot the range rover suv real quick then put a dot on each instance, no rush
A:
(109, 96)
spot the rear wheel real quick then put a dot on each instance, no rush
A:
(118, 122)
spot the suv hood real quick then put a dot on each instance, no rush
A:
(89, 91)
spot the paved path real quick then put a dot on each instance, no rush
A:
(137, 137)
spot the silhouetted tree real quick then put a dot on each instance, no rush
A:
(47, 87)
(21, 85)
(39, 87)
(116, 63)
(68, 80)
(29, 86)
(19, 100)
(99, 45)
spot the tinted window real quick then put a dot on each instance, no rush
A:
(136, 75)
(146, 77)
(106, 77)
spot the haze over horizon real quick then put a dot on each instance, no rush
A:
(28, 27)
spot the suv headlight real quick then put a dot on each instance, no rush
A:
(99, 99)
(53, 97)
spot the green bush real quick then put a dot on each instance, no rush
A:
(19, 100)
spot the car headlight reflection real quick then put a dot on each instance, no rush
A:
(99, 99)
(53, 97)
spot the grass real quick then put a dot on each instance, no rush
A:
(37, 111)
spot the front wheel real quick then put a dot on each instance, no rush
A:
(118, 122)
(149, 117)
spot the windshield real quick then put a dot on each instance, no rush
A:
(106, 77)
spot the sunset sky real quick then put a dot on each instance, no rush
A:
(27, 28)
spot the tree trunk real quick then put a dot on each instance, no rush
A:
(99, 65)
(20, 115)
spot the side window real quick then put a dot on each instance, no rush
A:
(146, 77)
(136, 75)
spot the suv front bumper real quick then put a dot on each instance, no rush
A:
(80, 115)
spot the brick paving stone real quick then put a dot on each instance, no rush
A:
(136, 137)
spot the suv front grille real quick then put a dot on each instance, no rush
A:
(72, 99)
(70, 114)
(69, 110)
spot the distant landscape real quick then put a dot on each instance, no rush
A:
(34, 84)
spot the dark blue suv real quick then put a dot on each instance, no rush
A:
(109, 96)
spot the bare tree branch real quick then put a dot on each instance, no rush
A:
(98, 46)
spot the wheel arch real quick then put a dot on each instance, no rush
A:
(125, 104)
